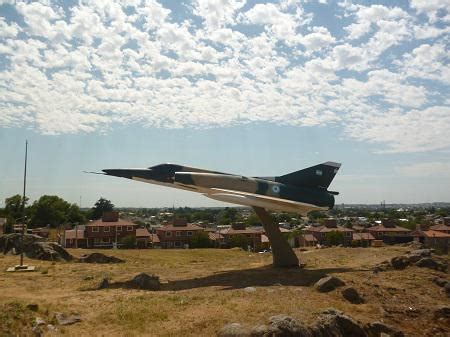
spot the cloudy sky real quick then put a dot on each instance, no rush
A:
(247, 87)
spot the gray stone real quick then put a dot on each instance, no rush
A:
(283, 325)
(334, 323)
(233, 330)
(37, 331)
(146, 282)
(250, 289)
(442, 312)
(104, 283)
(428, 262)
(328, 283)
(377, 329)
(64, 319)
(441, 282)
(400, 262)
(38, 321)
(447, 289)
(352, 295)
(422, 252)
(99, 258)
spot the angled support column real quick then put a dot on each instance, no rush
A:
(283, 255)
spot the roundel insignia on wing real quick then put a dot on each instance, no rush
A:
(276, 189)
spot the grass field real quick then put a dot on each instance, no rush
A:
(204, 289)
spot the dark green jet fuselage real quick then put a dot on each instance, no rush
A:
(301, 191)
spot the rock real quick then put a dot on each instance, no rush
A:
(37, 331)
(447, 289)
(334, 323)
(88, 278)
(400, 262)
(383, 266)
(328, 283)
(38, 321)
(64, 319)
(99, 258)
(352, 295)
(250, 289)
(146, 282)
(51, 327)
(422, 252)
(441, 282)
(233, 330)
(442, 312)
(33, 306)
(428, 262)
(283, 325)
(34, 247)
(104, 283)
(376, 329)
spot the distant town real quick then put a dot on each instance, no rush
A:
(105, 226)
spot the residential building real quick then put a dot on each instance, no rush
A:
(441, 228)
(177, 234)
(389, 232)
(108, 230)
(145, 239)
(362, 239)
(232, 233)
(433, 239)
(307, 240)
(74, 238)
(320, 232)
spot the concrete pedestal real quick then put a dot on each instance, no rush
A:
(283, 255)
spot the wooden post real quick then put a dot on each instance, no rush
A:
(283, 254)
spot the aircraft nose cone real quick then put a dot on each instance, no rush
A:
(124, 173)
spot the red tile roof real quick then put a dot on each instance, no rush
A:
(231, 231)
(324, 229)
(188, 227)
(432, 234)
(142, 232)
(120, 222)
(381, 228)
(440, 227)
(264, 239)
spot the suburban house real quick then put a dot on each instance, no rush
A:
(441, 228)
(102, 233)
(231, 235)
(389, 232)
(307, 240)
(362, 239)
(177, 234)
(433, 239)
(330, 225)
(145, 239)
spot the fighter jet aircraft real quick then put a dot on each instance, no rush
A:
(298, 192)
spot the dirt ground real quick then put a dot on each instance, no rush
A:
(204, 289)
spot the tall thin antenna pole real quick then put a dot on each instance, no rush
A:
(23, 202)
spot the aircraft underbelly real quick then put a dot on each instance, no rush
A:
(281, 205)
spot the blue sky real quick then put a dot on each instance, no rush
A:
(247, 87)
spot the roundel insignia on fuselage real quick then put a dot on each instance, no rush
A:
(276, 189)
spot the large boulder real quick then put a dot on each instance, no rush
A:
(377, 329)
(400, 262)
(335, 323)
(283, 325)
(428, 262)
(328, 283)
(34, 247)
(145, 281)
(99, 258)
(352, 295)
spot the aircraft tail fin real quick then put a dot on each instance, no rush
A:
(315, 176)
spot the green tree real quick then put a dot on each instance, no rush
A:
(50, 210)
(227, 216)
(102, 205)
(128, 241)
(252, 220)
(334, 238)
(239, 241)
(200, 240)
(14, 207)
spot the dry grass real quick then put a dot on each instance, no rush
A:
(204, 289)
